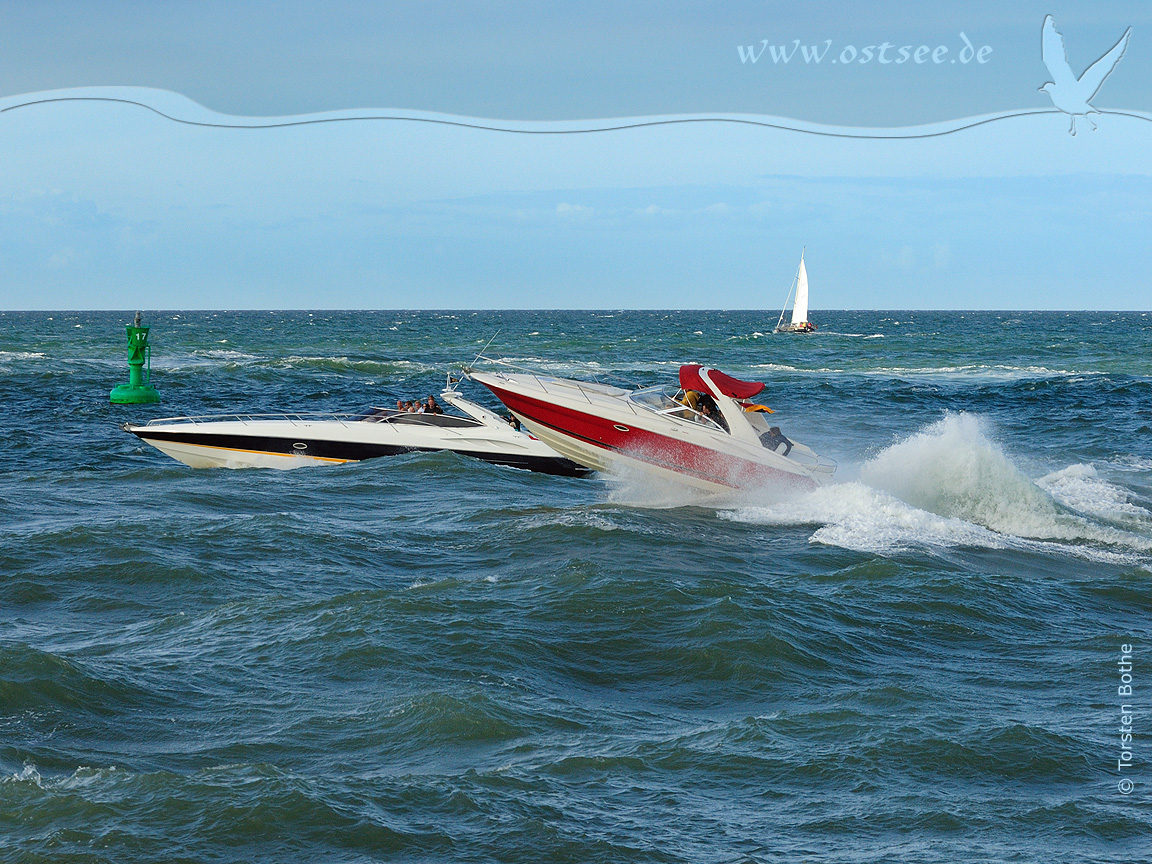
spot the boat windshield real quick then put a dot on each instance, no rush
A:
(391, 415)
(373, 415)
(665, 400)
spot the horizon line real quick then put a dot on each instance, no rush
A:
(476, 309)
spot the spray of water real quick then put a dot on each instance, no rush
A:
(951, 485)
(953, 469)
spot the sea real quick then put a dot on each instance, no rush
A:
(943, 656)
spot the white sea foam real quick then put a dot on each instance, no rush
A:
(996, 372)
(84, 777)
(953, 469)
(569, 519)
(951, 485)
(27, 774)
(223, 354)
(781, 367)
(854, 516)
(635, 487)
(1080, 488)
(1129, 462)
(295, 361)
(969, 372)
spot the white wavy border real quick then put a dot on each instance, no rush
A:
(180, 109)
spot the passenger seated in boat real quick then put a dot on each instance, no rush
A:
(691, 398)
(773, 438)
(432, 407)
(514, 422)
(710, 411)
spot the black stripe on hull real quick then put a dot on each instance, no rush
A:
(356, 451)
(555, 465)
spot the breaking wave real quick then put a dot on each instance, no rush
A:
(951, 485)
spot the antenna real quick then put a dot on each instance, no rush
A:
(482, 350)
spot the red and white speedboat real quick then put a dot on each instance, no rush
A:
(706, 433)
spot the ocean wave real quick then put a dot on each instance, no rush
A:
(230, 360)
(344, 364)
(579, 519)
(999, 372)
(973, 371)
(950, 485)
(1080, 488)
(82, 778)
(52, 685)
(1130, 462)
(248, 808)
(223, 354)
(780, 367)
(436, 718)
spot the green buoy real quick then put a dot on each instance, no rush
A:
(138, 390)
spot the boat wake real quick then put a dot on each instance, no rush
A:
(950, 485)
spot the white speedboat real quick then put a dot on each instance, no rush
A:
(706, 433)
(298, 440)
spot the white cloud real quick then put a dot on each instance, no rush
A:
(573, 211)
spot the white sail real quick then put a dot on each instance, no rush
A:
(800, 309)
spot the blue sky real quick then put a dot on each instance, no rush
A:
(107, 205)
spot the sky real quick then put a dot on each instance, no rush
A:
(107, 204)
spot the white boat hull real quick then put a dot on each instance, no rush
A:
(296, 441)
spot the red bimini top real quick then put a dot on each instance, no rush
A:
(734, 388)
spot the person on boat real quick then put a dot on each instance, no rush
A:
(400, 405)
(711, 411)
(432, 407)
(514, 422)
(691, 398)
(773, 438)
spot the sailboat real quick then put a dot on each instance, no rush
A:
(800, 322)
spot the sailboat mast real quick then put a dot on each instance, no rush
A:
(787, 300)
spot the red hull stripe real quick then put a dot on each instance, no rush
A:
(651, 447)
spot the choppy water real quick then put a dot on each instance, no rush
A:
(428, 658)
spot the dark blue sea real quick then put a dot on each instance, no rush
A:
(428, 658)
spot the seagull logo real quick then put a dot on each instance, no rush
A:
(1070, 94)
